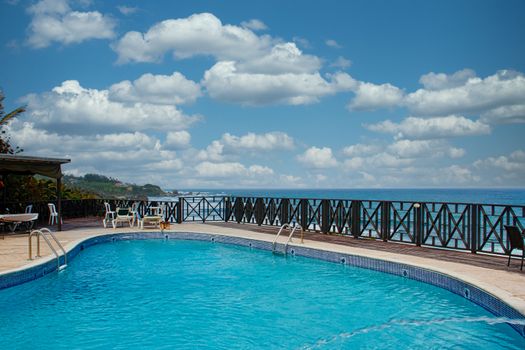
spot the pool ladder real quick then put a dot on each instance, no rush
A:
(44, 233)
(293, 228)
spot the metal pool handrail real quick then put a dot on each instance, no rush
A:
(291, 234)
(274, 244)
(42, 233)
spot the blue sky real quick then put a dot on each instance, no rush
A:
(320, 94)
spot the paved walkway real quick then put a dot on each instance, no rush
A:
(486, 272)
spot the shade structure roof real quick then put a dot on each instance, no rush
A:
(28, 165)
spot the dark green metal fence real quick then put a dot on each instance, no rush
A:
(458, 226)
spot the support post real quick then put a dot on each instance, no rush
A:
(325, 216)
(474, 224)
(418, 223)
(59, 202)
(385, 220)
(227, 209)
(238, 209)
(259, 211)
(180, 211)
(285, 211)
(356, 218)
(304, 214)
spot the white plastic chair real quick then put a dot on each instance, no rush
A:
(123, 215)
(29, 209)
(135, 212)
(154, 216)
(53, 214)
(109, 216)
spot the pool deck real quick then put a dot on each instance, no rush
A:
(489, 273)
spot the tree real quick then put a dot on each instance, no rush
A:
(5, 145)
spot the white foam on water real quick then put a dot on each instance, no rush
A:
(412, 323)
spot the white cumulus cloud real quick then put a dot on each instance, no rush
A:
(55, 21)
(199, 34)
(229, 145)
(158, 89)
(360, 150)
(72, 108)
(250, 69)
(127, 10)
(512, 163)
(475, 95)
(341, 62)
(428, 128)
(259, 142)
(505, 115)
(332, 43)
(178, 139)
(231, 169)
(424, 148)
(498, 98)
(318, 158)
(254, 24)
(441, 81)
(370, 96)
(129, 156)
(283, 58)
(225, 83)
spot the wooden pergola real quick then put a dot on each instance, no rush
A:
(28, 165)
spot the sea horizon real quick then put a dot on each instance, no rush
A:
(504, 196)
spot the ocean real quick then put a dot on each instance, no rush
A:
(471, 195)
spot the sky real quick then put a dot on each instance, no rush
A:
(271, 94)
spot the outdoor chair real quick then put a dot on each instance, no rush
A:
(516, 242)
(53, 214)
(155, 215)
(135, 213)
(28, 225)
(109, 216)
(123, 215)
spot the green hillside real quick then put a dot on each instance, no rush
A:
(106, 187)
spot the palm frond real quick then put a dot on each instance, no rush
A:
(12, 114)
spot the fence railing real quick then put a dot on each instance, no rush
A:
(459, 226)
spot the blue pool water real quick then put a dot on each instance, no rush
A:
(191, 294)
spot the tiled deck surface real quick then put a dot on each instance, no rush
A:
(487, 272)
(480, 260)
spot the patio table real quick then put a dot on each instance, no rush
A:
(13, 220)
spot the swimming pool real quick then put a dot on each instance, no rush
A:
(194, 294)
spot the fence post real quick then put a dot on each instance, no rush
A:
(385, 220)
(180, 211)
(325, 216)
(259, 211)
(418, 223)
(238, 209)
(356, 218)
(304, 214)
(474, 228)
(285, 207)
(227, 209)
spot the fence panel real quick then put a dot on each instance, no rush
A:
(457, 226)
